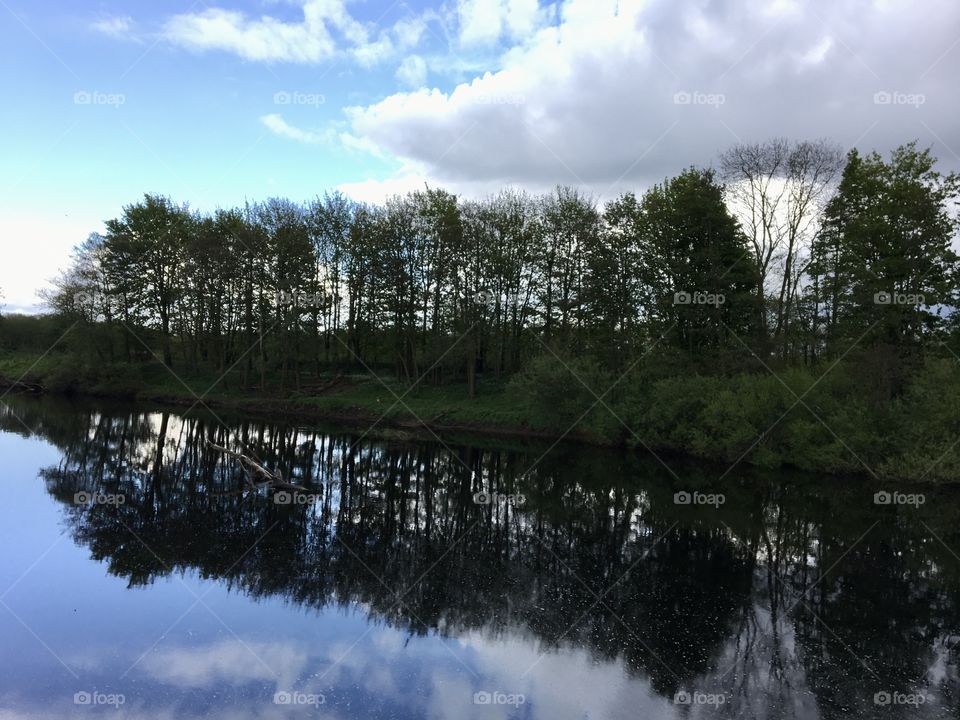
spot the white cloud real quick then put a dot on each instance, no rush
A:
(522, 16)
(413, 71)
(325, 29)
(352, 142)
(818, 53)
(377, 191)
(408, 31)
(266, 38)
(278, 126)
(371, 53)
(119, 27)
(480, 21)
(593, 98)
(484, 22)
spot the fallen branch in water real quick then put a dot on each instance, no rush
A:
(253, 469)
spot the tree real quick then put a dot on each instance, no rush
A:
(570, 225)
(776, 189)
(884, 269)
(699, 284)
(144, 256)
(614, 295)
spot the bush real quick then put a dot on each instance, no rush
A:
(73, 376)
(558, 393)
(923, 428)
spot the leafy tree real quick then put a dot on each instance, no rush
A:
(694, 265)
(884, 271)
(144, 259)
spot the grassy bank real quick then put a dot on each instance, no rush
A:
(823, 422)
(357, 399)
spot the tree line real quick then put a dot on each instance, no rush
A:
(786, 253)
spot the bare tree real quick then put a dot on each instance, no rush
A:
(777, 190)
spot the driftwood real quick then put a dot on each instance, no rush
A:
(19, 385)
(254, 469)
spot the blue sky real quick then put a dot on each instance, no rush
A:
(218, 101)
(189, 120)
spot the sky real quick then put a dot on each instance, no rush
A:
(214, 102)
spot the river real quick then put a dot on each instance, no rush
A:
(459, 578)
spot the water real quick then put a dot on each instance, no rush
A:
(576, 587)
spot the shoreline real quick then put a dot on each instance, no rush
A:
(357, 417)
(366, 403)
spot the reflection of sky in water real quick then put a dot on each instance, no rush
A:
(224, 656)
(191, 645)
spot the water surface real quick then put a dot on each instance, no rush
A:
(456, 579)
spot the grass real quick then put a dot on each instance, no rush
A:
(744, 417)
(360, 396)
(493, 403)
(29, 367)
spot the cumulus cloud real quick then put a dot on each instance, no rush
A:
(376, 191)
(278, 126)
(412, 71)
(483, 22)
(622, 94)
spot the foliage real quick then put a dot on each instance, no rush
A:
(780, 318)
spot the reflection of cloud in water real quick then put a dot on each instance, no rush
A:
(569, 683)
(231, 662)
(561, 684)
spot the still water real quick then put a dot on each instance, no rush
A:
(458, 579)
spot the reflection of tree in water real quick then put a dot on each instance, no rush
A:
(848, 601)
(774, 599)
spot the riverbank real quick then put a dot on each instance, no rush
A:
(743, 419)
(355, 400)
